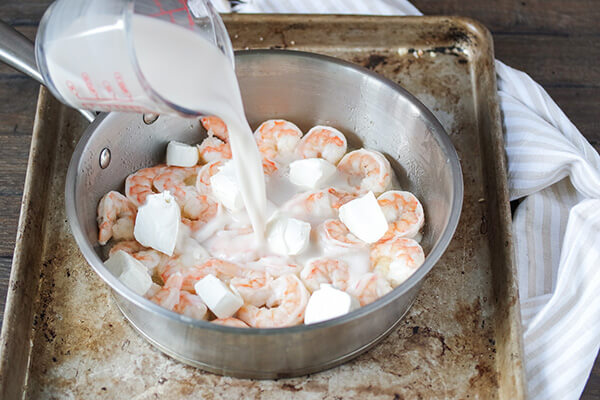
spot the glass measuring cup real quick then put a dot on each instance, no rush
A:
(86, 50)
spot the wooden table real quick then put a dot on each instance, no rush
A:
(555, 41)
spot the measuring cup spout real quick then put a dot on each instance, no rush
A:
(18, 52)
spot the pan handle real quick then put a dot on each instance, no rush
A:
(18, 52)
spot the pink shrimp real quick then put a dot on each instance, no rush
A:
(116, 217)
(367, 170)
(369, 288)
(340, 197)
(175, 180)
(403, 212)
(333, 232)
(190, 305)
(323, 142)
(277, 139)
(269, 167)
(204, 175)
(233, 322)
(208, 214)
(190, 274)
(178, 180)
(171, 297)
(275, 266)
(215, 127)
(311, 206)
(139, 184)
(151, 258)
(253, 286)
(396, 259)
(214, 149)
(284, 307)
(325, 270)
(234, 245)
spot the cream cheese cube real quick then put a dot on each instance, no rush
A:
(364, 218)
(157, 222)
(327, 303)
(311, 173)
(181, 154)
(287, 236)
(130, 271)
(226, 189)
(219, 298)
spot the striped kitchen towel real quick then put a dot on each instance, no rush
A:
(556, 226)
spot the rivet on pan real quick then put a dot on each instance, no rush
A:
(104, 158)
(149, 118)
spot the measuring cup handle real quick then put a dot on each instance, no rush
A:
(18, 52)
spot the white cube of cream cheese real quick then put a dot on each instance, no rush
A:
(225, 187)
(157, 222)
(130, 271)
(219, 298)
(181, 154)
(364, 218)
(288, 236)
(327, 303)
(311, 172)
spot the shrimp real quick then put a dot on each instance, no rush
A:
(277, 139)
(284, 307)
(214, 149)
(171, 297)
(254, 287)
(234, 245)
(191, 305)
(311, 206)
(396, 259)
(233, 322)
(152, 259)
(403, 212)
(253, 284)
(325, 270)
(317, 205)
(333, 232)
(367, 170)
(340, 197)
(275, 266)
(215, 127)
(168, 295)
(190, 274)
(116, 217)
(369, 288)
(323, 142)
(194, 205)
(175, 179)
(139, 184)
(205, 216)
(204, 175)
(269, 167)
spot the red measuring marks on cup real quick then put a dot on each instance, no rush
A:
(183, 8)
(93, 95)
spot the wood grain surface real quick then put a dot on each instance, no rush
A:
(555, 41)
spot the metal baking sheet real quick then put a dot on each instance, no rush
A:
(63, 336)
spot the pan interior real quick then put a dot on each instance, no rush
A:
(308, 90)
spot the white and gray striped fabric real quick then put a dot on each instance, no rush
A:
(556, 226)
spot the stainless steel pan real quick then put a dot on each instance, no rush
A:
(308, 89)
